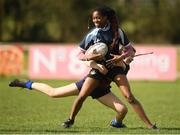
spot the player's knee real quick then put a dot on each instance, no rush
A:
(122, 109)
(52, 94)
(131, 99)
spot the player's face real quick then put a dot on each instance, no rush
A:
(99, 20)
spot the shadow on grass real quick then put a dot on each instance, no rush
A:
(161, 128)
(164, 128)
(86, 130)
(39, 131)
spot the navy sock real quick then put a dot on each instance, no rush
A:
(117, 122)
(29, 84)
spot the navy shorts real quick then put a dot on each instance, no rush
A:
(117, 71)
(97, 92)
(94, 73)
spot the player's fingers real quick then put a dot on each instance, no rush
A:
(104, 71)
(98, 57)
(112, 54)
(110, 60)
(94, 51)
(110, 64)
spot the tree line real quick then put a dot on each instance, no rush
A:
(65, 21)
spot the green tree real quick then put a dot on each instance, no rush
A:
(145, 21)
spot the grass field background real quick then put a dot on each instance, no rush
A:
(23, 111)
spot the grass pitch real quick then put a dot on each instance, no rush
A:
(23, 111)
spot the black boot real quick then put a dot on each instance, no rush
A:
(68, 123)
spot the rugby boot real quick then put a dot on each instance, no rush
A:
(115, 123)
(21, 84)
(154, 127)
(68, 123)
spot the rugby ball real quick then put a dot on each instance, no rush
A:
(97, 48)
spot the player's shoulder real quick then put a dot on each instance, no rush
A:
(93, 31)
(92, 34)
(121, 31)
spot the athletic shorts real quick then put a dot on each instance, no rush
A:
(117, 71)
(94, 73)
(97, 92)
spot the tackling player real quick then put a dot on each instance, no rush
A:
(102, 93)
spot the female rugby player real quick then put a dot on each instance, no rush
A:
(106, 30)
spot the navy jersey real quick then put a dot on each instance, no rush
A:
(106, 36)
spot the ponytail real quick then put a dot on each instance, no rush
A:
(114, 24)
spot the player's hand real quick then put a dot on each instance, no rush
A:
(129, 59)
(102, 69)
(121, 64)
(112, 62)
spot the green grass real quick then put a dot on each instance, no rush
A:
(23, 111)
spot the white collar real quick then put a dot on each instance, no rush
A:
(107, 27)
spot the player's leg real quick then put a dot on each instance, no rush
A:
(63, 91)
(123, 84)
(89, 85)
(111, 101)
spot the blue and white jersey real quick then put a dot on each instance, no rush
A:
(104, 35)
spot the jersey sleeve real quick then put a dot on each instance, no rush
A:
(82, 44)
(124, 40)
(89, 39)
